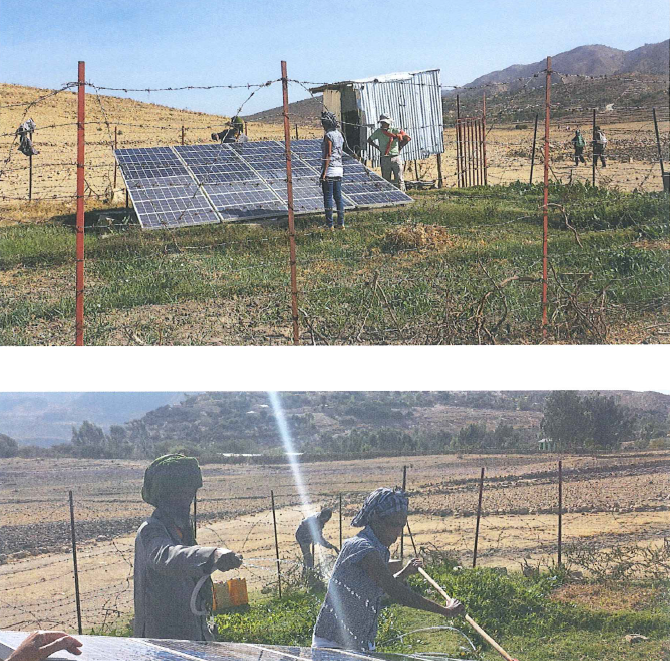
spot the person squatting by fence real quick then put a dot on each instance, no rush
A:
(599, 142)
(579, 144)
(168, 563)
(25, 135)
(332, 169)
(390, 142)
(234, 134)
(310, 531)
(363, 572)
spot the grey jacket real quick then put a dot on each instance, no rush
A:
(165, 573)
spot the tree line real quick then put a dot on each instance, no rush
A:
(572, 421)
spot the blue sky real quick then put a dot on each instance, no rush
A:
(146, 43)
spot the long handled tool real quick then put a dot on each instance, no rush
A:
(469, 620)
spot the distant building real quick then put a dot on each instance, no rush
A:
(546, 445)
(413, 99)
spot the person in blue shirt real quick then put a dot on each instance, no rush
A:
(349, 616)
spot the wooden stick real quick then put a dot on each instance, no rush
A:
(469, 620)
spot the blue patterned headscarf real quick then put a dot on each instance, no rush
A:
(329, 120)
(382, 502)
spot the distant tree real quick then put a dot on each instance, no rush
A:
(118, 443)
(608, 423)
(505, 436)
(565, 420)
(8, 446)
(89, 441)
(472, 437)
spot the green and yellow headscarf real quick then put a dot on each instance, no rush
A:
(170, 473)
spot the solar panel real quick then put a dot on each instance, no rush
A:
(195, 184)
(107, 648)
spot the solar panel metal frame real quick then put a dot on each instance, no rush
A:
(208, 167)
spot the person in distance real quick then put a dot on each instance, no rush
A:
(310, 531)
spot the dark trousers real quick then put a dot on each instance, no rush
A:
(599, 155)
(332, 191)
(307, 557)
(579, 155)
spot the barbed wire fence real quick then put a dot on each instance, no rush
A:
(518, 525)
(164, 268)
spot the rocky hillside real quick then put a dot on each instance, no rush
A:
(247, 418)
(595, 60)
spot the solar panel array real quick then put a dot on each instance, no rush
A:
(198, 184)
(104, 648)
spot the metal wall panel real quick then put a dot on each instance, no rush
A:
(415, 103)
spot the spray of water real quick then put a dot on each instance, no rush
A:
(289, 448)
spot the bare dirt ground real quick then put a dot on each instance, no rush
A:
(607, 501)
(137, 124)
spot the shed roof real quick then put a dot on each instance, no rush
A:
(384, 78)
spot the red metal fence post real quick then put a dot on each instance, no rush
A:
(291, 218)
(486, 165)
(479, 516)
(459, 146)
(545, 207)
(79, 276)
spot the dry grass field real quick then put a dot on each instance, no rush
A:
(608, 501)
(633, 160)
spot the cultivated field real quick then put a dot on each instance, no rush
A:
(608, 501)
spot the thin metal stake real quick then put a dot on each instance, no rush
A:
(545, 207)
(79, 260)
(658, 143)
(30, 178)
(274, 520)
(340, 522)
(195, 517)
(532, 156)
(479, 516)
(116, 165)
(593, 167)
(560, 512)
(402, 534)
(74, 562)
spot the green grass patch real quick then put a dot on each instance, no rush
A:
(477, 283)
(517, 611)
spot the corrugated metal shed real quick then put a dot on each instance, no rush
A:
(413, 99)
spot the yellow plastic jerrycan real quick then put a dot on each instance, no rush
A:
(231, 593)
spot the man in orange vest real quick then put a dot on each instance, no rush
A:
(390, 141)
